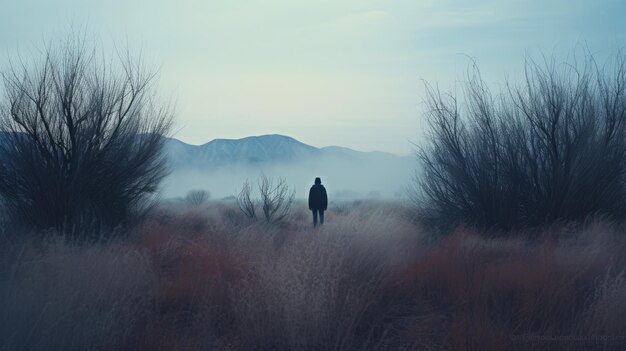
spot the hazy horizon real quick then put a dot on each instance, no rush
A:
(326, 73)
(223, 168)
(289, 136)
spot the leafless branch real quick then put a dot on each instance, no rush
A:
(197, 197)
(246, 204)
(551, 149)
(276, 198)
(80, 138)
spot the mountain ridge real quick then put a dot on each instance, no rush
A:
(267, 148)
(222, 165)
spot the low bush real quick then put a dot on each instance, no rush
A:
(197, 278)
(552, 149)
(197, 197)
(81, 140)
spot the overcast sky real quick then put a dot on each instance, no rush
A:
(327, 72)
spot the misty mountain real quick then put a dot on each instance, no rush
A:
(250, 150)
(222, 165)
(264, 149)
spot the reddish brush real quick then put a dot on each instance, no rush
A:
(196, 279)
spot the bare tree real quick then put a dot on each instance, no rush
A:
(197, 197)
(81, 138)
(551, 149)
(245, 202)
(276, 198)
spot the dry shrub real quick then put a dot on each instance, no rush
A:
(550, 148)
(280, 286)
(195, 266)
(606, 313)
(321, 290)
(56, 296)
(195, 279)
(495, 290)
(81, 138)
(197, 197)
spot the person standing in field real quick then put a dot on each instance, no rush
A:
(318, 201)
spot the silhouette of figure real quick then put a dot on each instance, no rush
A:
(318, 201)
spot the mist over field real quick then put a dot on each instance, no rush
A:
(368, 176)
(313, 175)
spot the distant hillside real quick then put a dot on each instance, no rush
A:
(222, 165)
(262, 149)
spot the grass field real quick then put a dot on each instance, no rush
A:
(208, 278)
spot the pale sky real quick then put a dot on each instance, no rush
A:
(345, 73)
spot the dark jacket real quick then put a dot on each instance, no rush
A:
(317, 197)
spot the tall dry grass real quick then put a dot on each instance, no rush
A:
(55, 296)
(202, 278)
